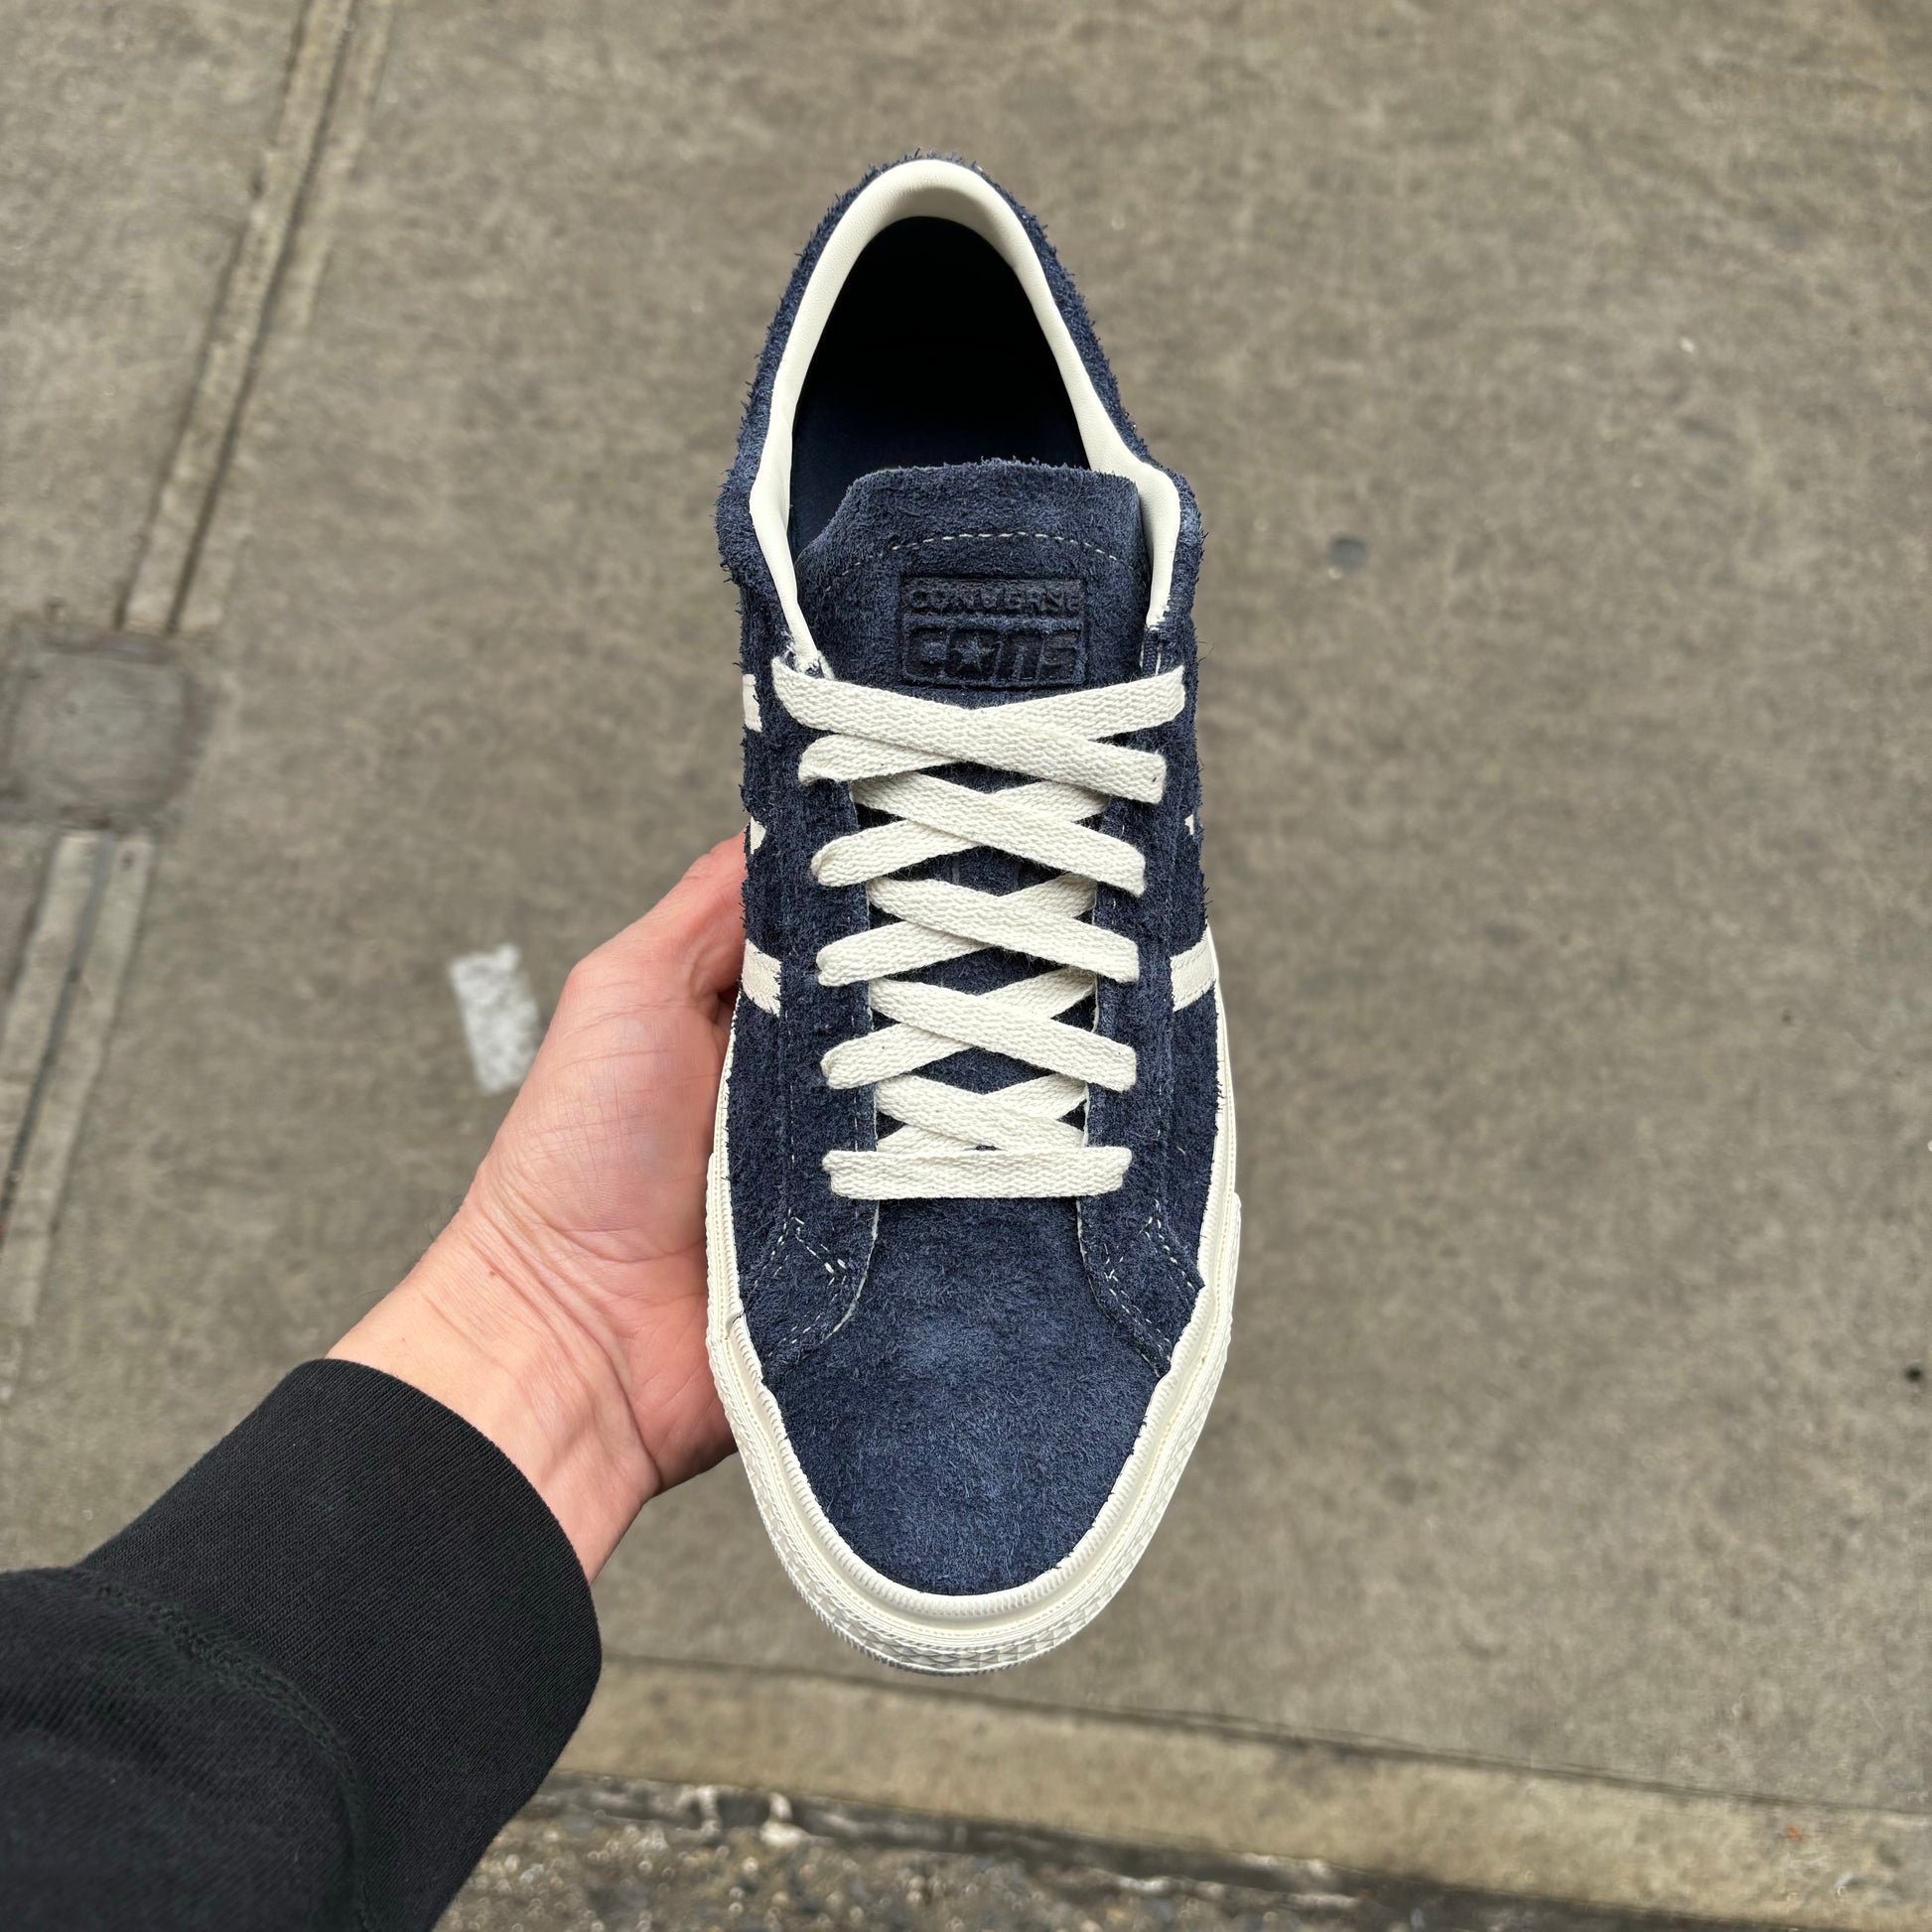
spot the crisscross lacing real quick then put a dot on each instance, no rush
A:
(952, 1141)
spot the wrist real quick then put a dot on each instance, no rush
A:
(477, 1330)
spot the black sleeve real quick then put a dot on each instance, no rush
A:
(303, 1689)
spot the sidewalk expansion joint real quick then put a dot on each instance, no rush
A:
(269, 288)
(52, 1045)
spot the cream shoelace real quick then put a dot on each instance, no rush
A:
(951, 1142)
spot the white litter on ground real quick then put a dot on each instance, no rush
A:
(499, 1016)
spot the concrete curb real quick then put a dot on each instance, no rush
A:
(1479, 1827)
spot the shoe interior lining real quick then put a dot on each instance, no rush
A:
(932, 354)
(955, 194)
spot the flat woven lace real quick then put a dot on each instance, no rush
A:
(950, 1141)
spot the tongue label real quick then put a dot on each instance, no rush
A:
(995, 634)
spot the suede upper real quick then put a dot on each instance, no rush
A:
(962, 1380)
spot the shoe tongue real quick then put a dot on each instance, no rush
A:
(980, 583)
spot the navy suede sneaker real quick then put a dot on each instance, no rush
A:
(972, 1219)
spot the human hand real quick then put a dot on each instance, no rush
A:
(561, 1311)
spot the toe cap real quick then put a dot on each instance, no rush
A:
(963, 1429)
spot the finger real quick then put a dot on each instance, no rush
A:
(692, 941)
(704, 917)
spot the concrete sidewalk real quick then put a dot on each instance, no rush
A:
(592, 1853)
(1555, 382)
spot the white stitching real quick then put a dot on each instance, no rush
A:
(835, 1266)
(970, 536)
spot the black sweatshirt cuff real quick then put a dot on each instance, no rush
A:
(396, 1568)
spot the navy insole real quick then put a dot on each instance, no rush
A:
(932, 354)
